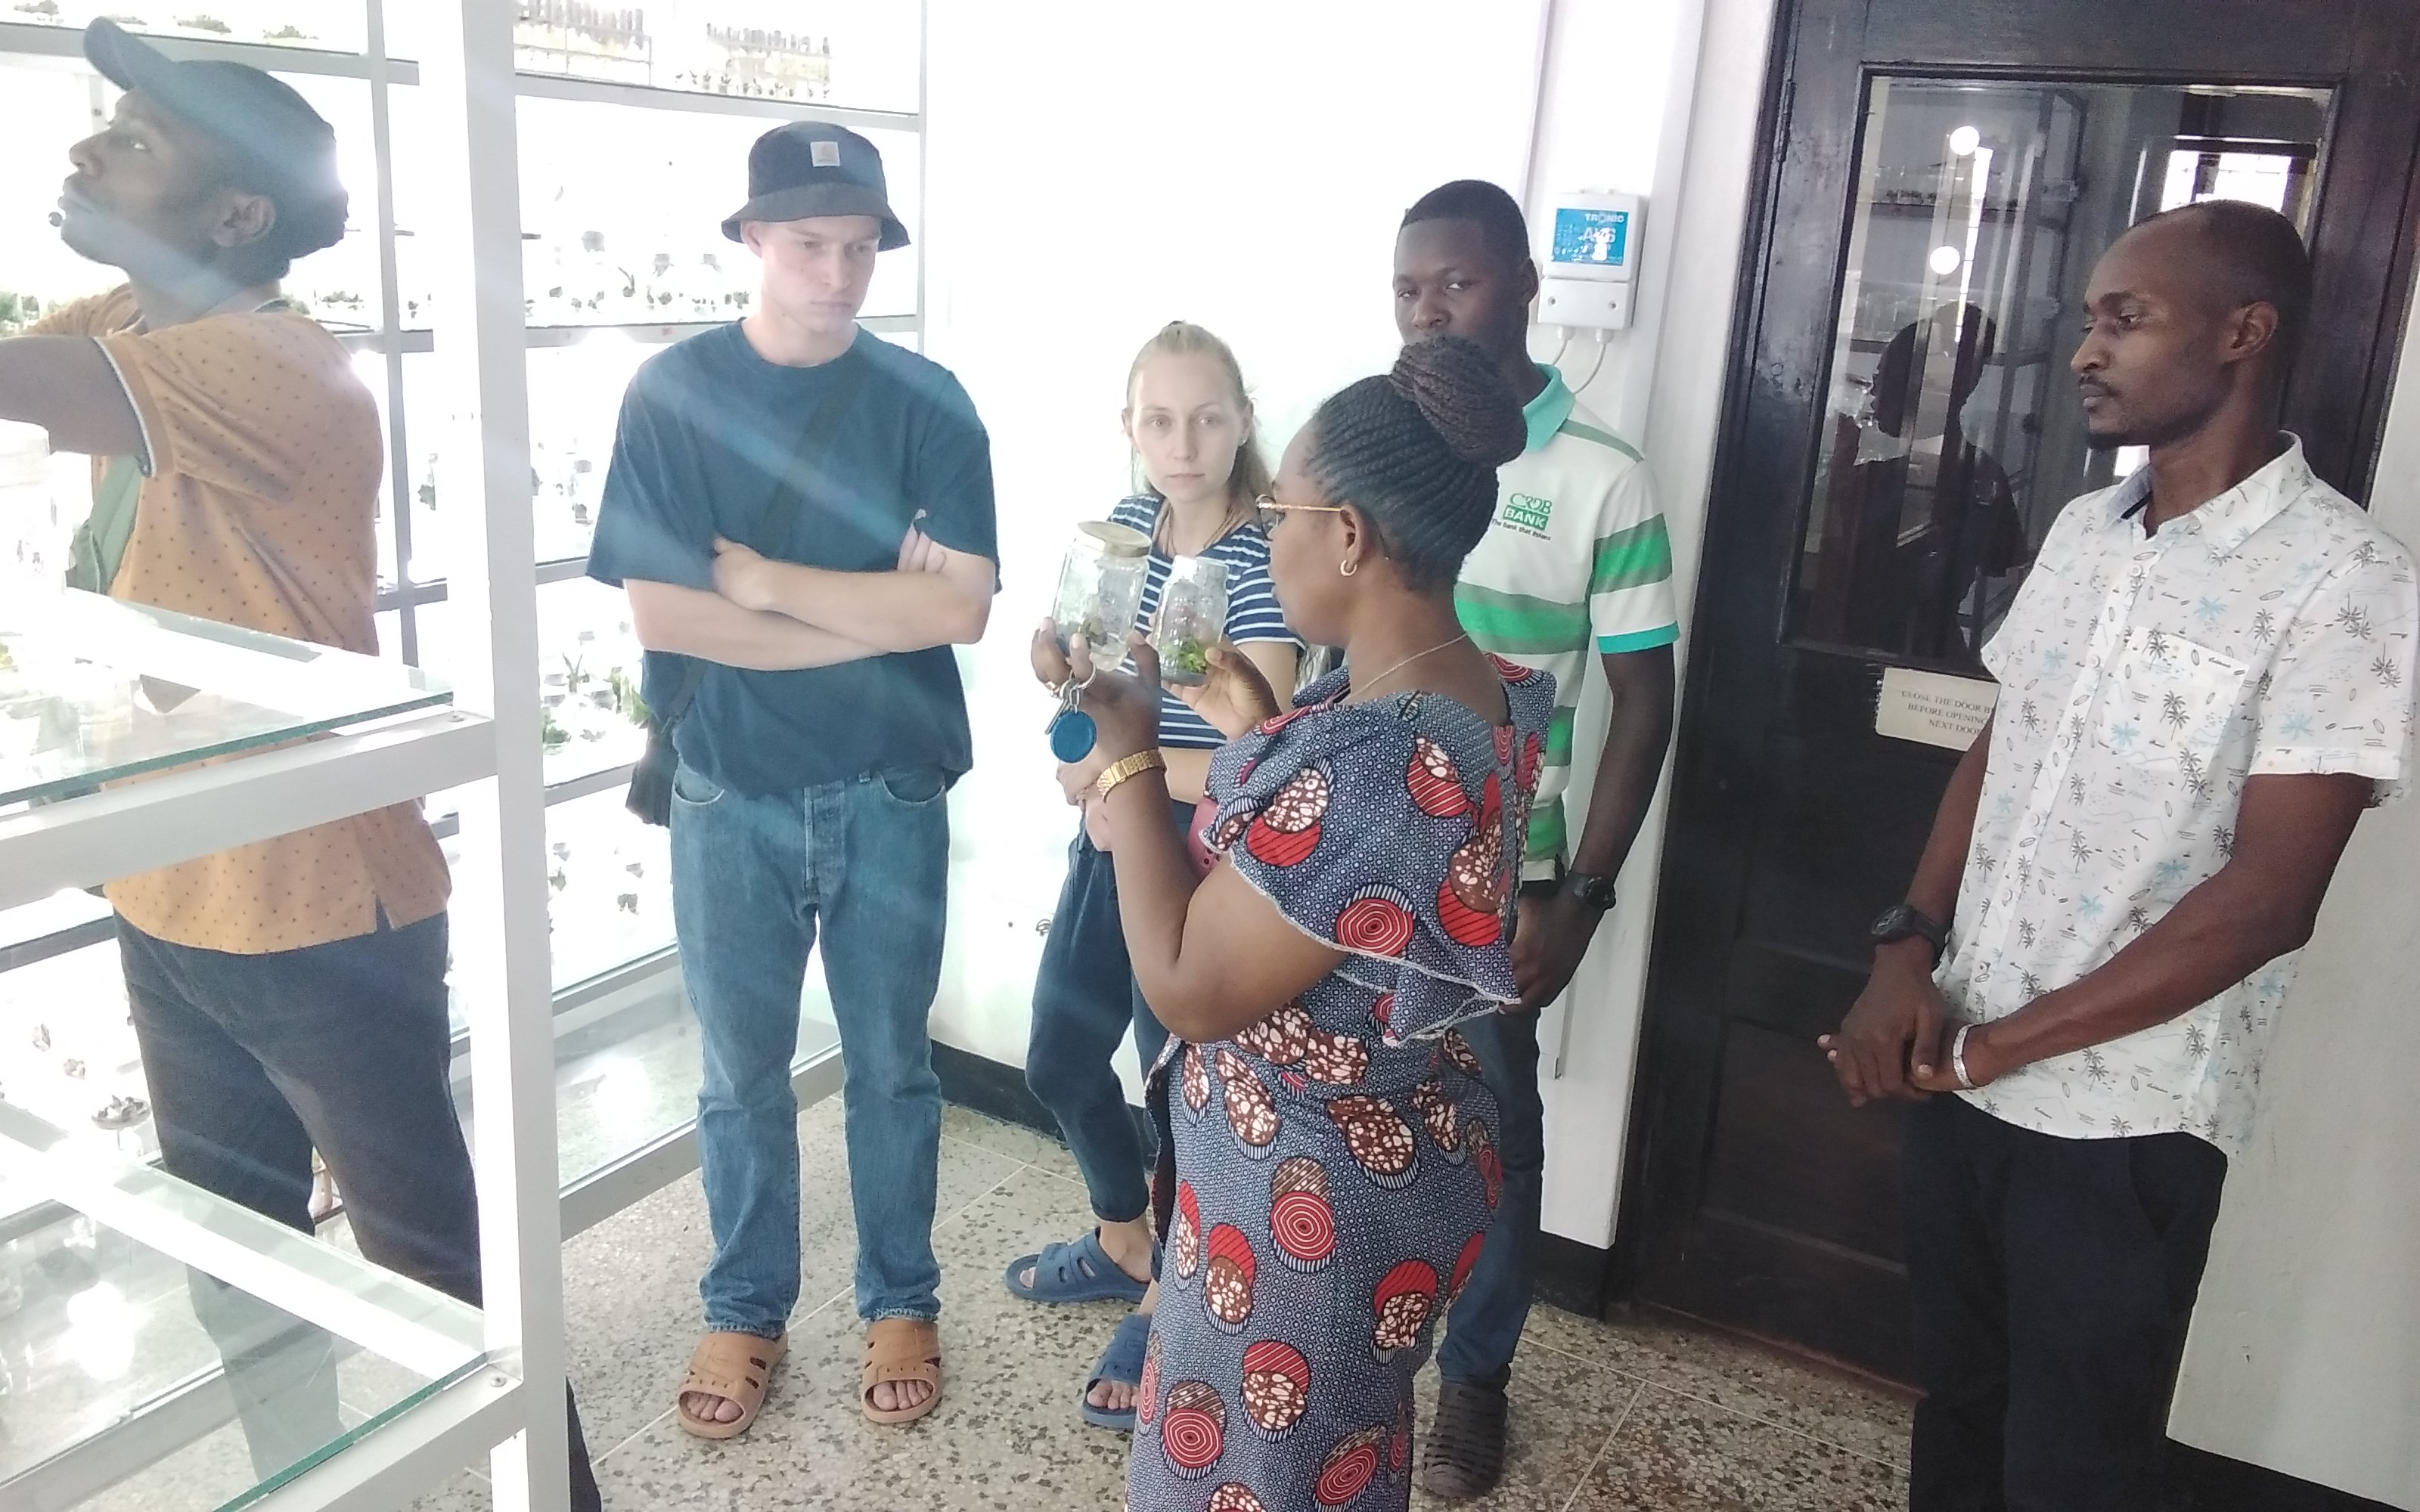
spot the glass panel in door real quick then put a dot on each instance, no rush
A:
(1952, 437)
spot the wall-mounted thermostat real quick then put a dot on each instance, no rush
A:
(1591, 261)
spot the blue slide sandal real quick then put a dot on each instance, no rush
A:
(1121, 1362)
(1077, 1270)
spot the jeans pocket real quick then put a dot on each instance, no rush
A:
(914, 786)
(694, 788)
(2174, 1179)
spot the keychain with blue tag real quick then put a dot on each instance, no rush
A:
(1071, 731)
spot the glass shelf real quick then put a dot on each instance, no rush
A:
(93, 690)
(102, 1326)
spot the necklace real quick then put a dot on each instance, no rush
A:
(1365, 687)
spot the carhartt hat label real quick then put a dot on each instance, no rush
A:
(826, 153)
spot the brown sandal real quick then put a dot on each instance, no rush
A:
(900, 1349)
(737, 1368)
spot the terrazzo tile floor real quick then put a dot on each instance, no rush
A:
(1650, 1414)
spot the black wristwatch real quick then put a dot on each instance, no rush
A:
(1902, 921)
(1594, 891)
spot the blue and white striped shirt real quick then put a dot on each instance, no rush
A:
(1252, 613)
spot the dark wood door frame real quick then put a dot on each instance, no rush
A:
(1774, 403)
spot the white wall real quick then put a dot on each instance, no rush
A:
(2306, 1350)
(1096, 170)
(1659, 99)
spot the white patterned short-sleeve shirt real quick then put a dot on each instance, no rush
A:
(2143, 679)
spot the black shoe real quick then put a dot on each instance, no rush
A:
(1464, 1455)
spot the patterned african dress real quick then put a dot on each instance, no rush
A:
(1327, 1176)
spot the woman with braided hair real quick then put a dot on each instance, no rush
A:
(1327, 1155)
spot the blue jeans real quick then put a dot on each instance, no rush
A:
(1084, 1002)
(252, 1062)
(1484, 1326)
(753, 879)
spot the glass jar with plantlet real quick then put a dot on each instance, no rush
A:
(1192, 617)
(1100, 590)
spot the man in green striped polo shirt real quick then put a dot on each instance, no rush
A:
(1575, 561)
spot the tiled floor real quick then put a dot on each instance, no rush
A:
(1640, 1416)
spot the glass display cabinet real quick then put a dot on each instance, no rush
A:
(631, 130)
(132, 738)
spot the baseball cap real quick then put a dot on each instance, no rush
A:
(810, 168)
(288, 149)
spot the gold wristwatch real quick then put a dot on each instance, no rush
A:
(1118, 771)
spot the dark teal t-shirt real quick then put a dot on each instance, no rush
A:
(707, 428)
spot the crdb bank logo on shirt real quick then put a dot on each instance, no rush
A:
(1527, 511)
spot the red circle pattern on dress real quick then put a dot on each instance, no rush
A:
(1251, 1112)
(1147, 1389)
(1466, 1059)
(1197, 1081)
(1378, 921)
(1193, 1430)
(1435, 782)
(1463, 924)
(1338, 1059)
(1282, 1038)
(1234, 1497)
(1463, 1266)
(1350, 1468)
(1303, 1227)
(1400, 1305)
(1482, 1154)
(1437, 1111)
(1184, 1235)
(1379, 1139)
(1286, 830)
(1227, 1285)
(1277, 1388)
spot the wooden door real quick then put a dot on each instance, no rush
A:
(1901, 428)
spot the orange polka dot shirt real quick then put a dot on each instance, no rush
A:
(261, 462)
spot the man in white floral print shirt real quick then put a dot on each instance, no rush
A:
(2205, 680)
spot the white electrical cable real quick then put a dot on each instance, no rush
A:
(1560, 347)
(1594, 368)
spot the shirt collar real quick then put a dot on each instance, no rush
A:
(1545, 414)
(2235, 516)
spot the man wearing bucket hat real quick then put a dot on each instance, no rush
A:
(290, 994)
(802, 513)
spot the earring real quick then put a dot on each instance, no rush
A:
(1347, 567)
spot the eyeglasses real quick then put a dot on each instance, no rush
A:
(1271, 510)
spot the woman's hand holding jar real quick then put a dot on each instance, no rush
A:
(1233, 695)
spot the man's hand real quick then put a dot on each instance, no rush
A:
(1552, 936)
(748, 578)
(919, 553)
(1899, 1011)
(741, 576)
(1984, 1065)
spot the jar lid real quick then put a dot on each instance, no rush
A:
(1115, 540)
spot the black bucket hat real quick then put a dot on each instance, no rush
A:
(812, 168)
(288, 149)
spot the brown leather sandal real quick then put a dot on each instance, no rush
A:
(737, 1368)
(900, 1349)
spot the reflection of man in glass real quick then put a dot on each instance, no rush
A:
(1915, 515)
(290, 993)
